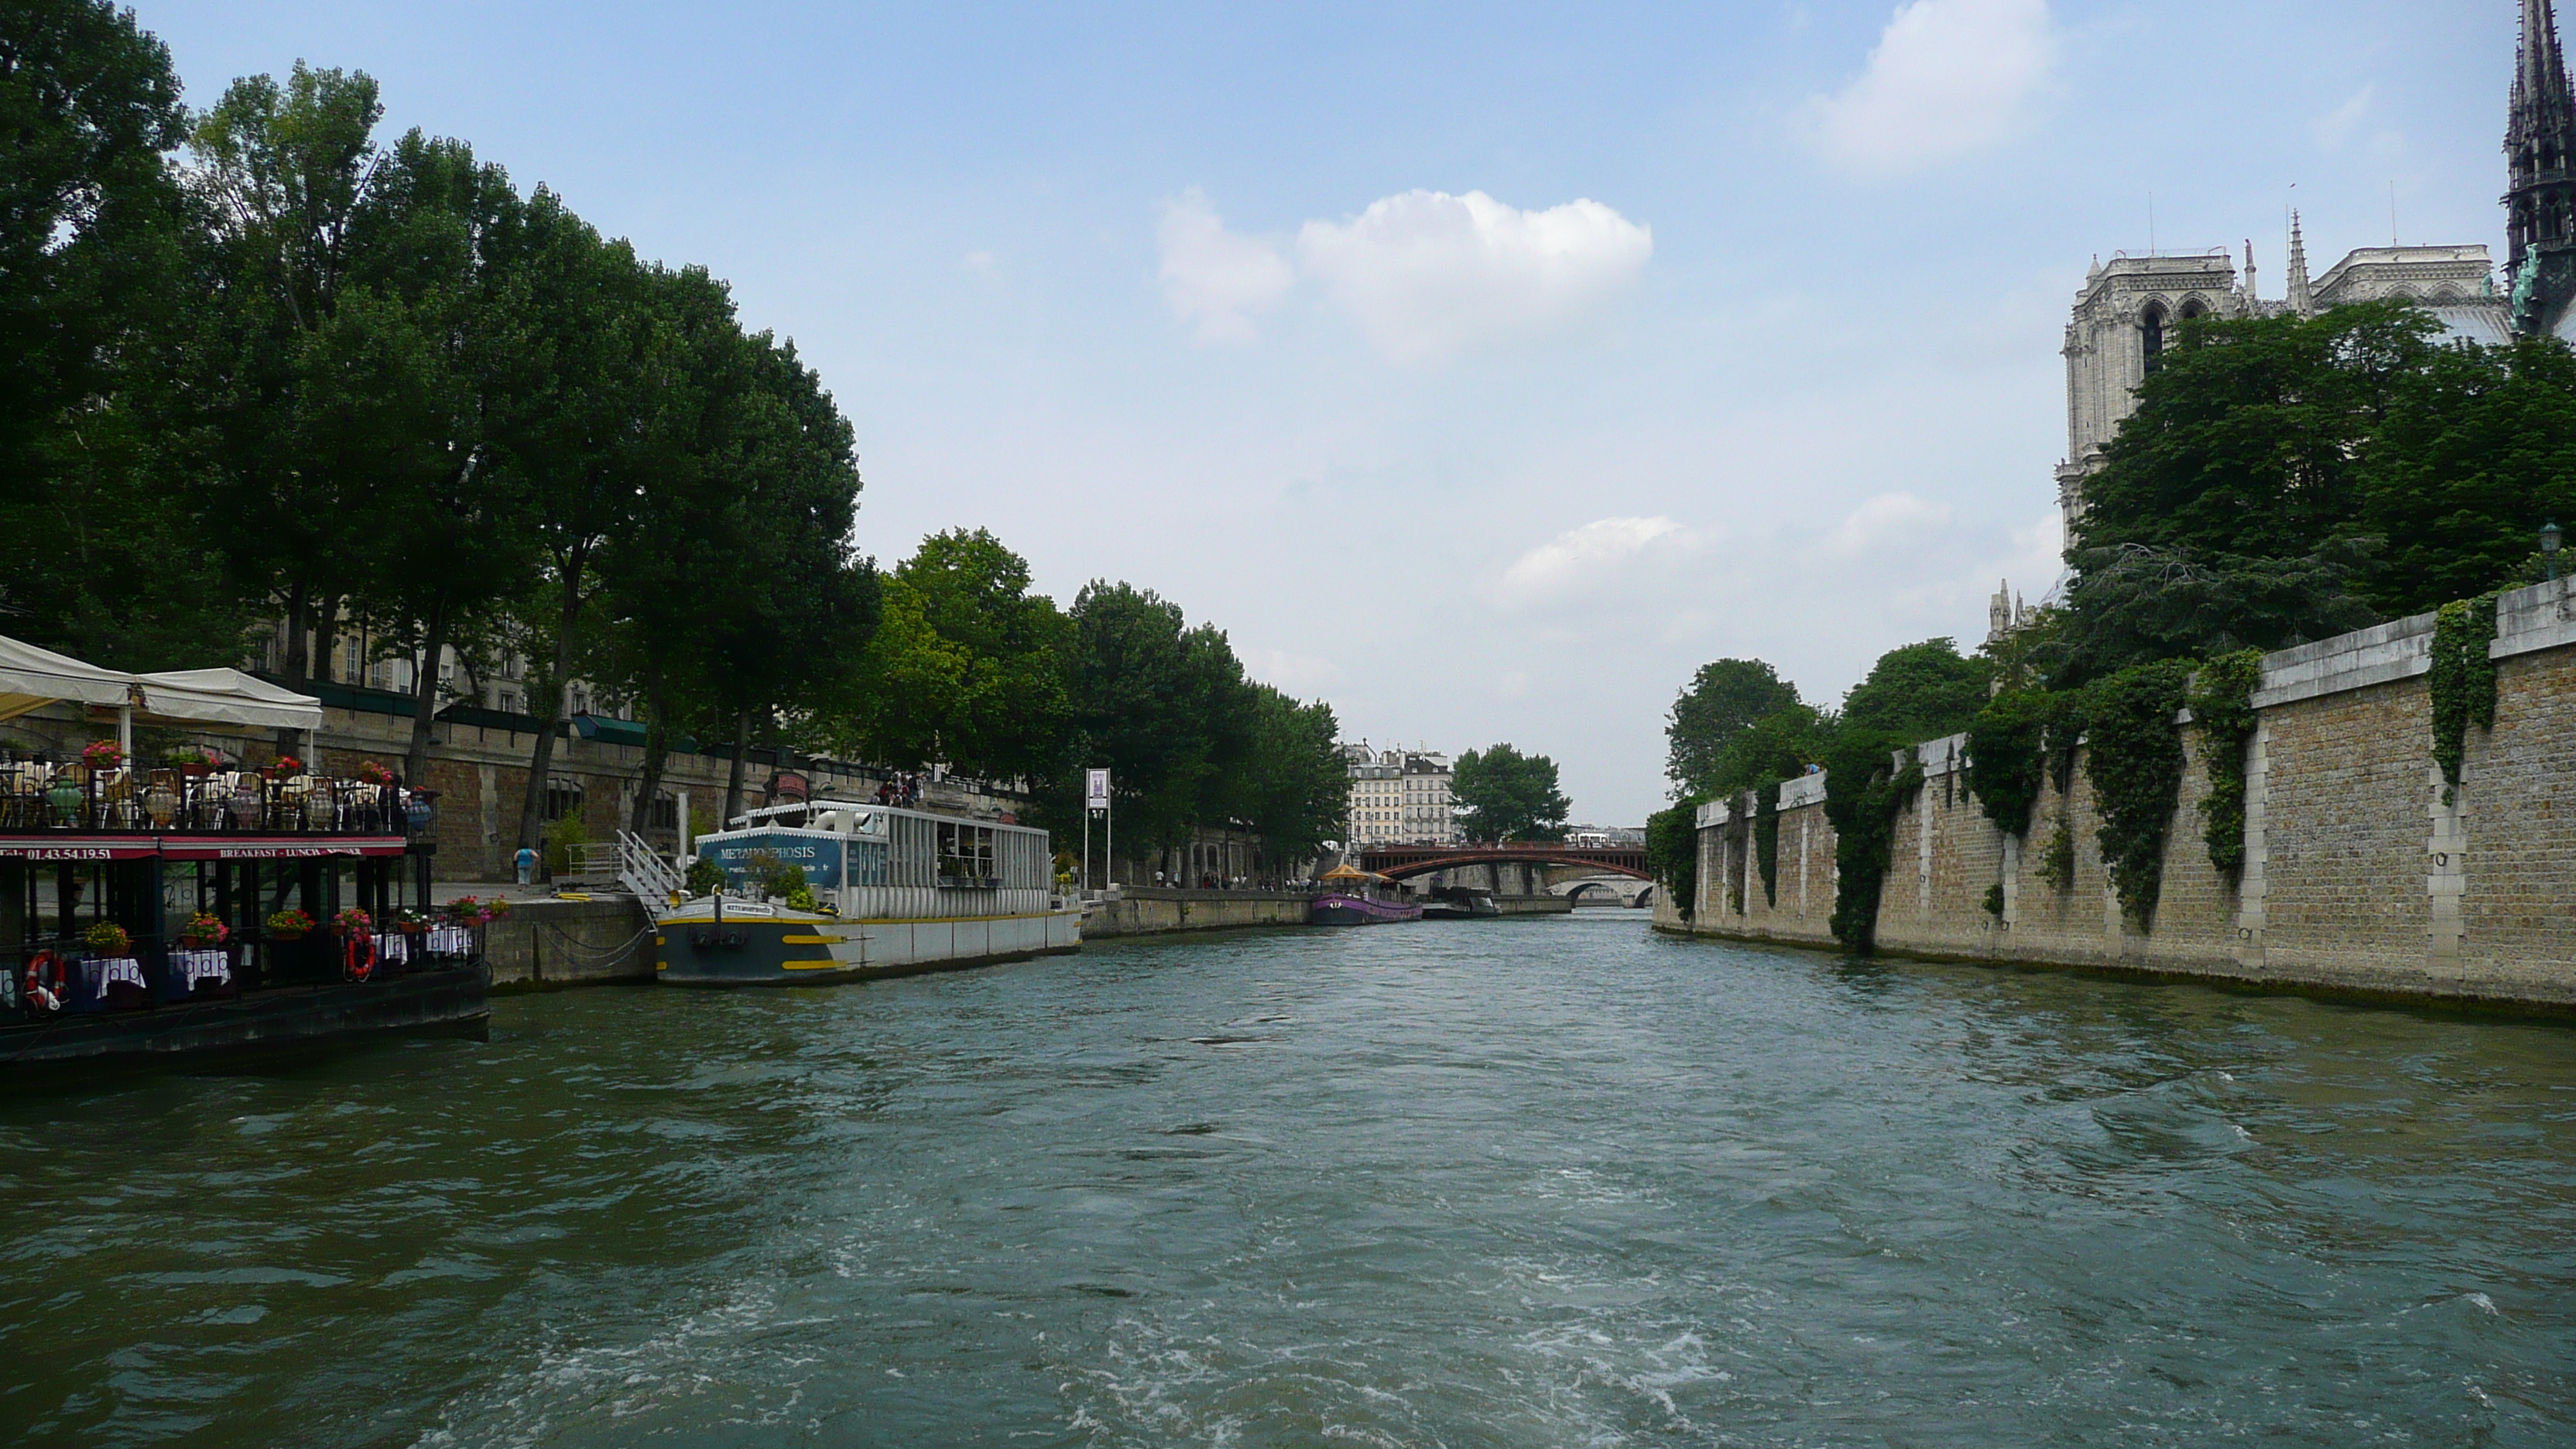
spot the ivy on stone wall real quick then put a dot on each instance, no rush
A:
(1862, 801)
(2008, 759)
(2135, 763)
(2463, 682)
(2222, 704)
(1766, 839)
(2057, 858)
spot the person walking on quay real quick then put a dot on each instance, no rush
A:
(527, 865)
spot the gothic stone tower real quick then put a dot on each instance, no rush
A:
(2540, 207)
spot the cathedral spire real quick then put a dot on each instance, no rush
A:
(2253, 294)
(2540, 202)
(2302, 303)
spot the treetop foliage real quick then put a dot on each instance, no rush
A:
(1507, 795)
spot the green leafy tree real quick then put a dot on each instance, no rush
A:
(1295, 785)
(1919, 692)
(1726, 700)
(968, 666)
(1507, 795)
(2461, 478)
(1162, 705)
(93, 266)
(290, 394)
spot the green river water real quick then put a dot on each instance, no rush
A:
(1549, 1182)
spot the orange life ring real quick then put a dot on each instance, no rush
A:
(45, 983)
(358, 956)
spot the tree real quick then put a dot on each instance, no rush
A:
(1295, 784)
(1161, 704)
(2253, 436)
(1509, 796)
(93, 231)
(290, 393)
(1918, 692)
(968, 667)
(1724, 700)
(432, 277)
(2139, 602)
(586, 429)
(2463, 476)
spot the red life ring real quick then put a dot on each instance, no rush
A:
(46, 991)
(358, 956)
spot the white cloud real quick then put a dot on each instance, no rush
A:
(1217, 278)
(1884, 518)
(1591, 559)
(2336, 126)
(1948, 77)
(1426, 274)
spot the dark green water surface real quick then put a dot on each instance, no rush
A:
(1547, 1183)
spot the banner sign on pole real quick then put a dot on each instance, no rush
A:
(1095, 791)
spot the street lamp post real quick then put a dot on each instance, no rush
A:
(2550, 537)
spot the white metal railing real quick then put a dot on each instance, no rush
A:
(641, 869)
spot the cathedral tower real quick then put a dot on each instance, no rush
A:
(2540, 207)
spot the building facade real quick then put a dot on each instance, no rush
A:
(1399, 797)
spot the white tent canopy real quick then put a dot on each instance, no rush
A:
(227, 696)
(31, 677)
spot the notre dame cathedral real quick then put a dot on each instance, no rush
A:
(2128, 307)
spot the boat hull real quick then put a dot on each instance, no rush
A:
(812, 950)
(277, 1021)
(1344, 910)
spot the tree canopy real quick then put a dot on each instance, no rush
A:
(1506, 795)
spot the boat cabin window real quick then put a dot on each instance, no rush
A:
(966, 855)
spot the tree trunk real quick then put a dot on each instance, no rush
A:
(424, 694)
(733, 776)
(298, 663)
(657, 749)
(326, 627)
(532, 811)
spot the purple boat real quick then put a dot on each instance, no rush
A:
(1341, 908)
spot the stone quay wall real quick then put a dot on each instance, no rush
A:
(2359, 877)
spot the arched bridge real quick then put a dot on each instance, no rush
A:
(1399, 862)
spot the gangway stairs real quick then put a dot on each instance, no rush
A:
(643, 870)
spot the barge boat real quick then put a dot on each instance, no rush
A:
(895, 892)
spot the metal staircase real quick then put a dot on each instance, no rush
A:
(641, 869)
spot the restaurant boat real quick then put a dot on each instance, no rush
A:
(887, 892)
(1355, 897)
(173, 911)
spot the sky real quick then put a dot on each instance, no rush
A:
(1481, 369)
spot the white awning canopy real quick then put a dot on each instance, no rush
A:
(226, 696)
(31, 677)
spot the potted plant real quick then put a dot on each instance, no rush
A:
(102, 754)
(283, 767)
(107, 938)
(371, 773)
(468, 911)
(205, 931)
(409, 923)
(289, 925)
(353, 922)
(194, 761)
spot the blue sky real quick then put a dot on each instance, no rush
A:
(1482, 369)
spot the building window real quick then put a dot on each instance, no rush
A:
(563, 797)
(2152, 325)
(666, 811)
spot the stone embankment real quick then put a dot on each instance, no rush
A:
(2363, 874)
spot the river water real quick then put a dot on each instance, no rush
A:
(1549, 1182)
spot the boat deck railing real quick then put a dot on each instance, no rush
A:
(70, 798)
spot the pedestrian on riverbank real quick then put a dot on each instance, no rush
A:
(527, 865)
